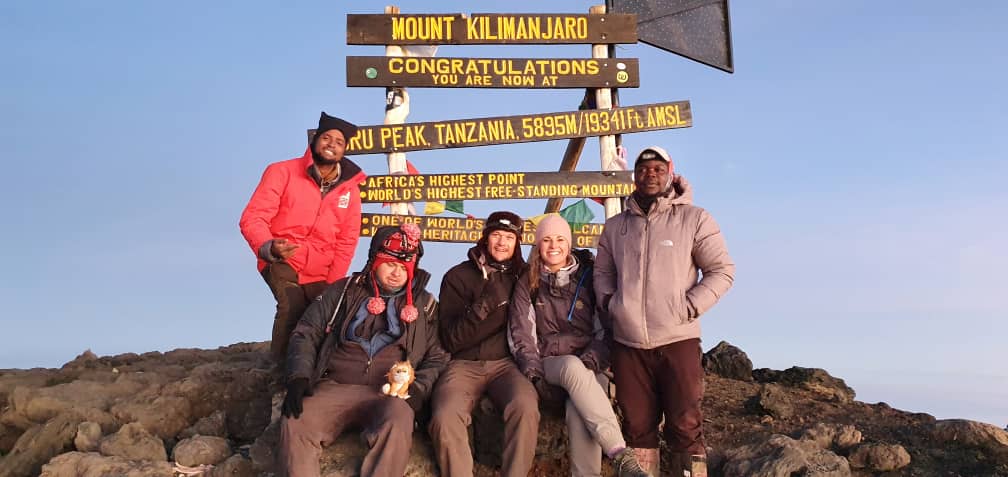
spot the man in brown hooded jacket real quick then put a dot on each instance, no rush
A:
(473, 326)
(650, 292)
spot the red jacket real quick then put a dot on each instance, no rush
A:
(288, 204)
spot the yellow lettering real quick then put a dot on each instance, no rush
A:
(651, 121)
(478, 80)
(534, 28)
(506, 27)
(449, 23)
(398, 28)
(471, 32)
(415, 136)
(425, 28)
(395, 65)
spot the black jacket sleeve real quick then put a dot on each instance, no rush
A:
(522, 330)
(310, 332)
(434, 360)
(466, 319)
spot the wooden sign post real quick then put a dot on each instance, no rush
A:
(396, 110)
(598, 74)
(607, 142)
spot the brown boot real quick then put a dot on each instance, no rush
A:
(626, 464)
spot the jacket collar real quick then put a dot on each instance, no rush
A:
(679, 193)
(349, 170)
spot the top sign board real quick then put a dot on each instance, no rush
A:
(490, 29)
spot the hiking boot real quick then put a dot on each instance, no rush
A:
(626, 465)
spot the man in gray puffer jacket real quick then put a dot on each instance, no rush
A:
(650, 292)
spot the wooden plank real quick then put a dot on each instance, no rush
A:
(446, 72)
(467, 230)
(495, 186)
(516, 129)
(604, 101)
(490, 29)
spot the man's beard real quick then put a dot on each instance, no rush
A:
(321, 161)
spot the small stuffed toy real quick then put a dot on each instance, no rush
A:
(400, 376)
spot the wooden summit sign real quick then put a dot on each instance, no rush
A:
(467, 230)
(514, 129)
(432, 72)
(495, 186)
(487, 28)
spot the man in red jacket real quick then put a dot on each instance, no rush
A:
(303, 224)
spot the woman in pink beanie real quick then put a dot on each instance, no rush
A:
(560, 345)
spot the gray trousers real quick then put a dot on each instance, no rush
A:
(386, 421)
(592, 426)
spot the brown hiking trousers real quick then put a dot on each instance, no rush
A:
(386, 422)
(458, 389)
(669, 381)
(292, 301)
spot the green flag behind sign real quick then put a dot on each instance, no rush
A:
(577, 213)
(454, 206)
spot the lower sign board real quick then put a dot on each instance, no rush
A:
(492, 72)
(466, 230)
(495, 186)
(513, 129)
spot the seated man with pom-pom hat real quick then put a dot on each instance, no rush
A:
(344, 345)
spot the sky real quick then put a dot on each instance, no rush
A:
(854, 161)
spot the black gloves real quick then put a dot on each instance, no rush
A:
(495, 294)
(297, 389)
(548, 393)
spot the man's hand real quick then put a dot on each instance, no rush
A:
(297, 389)
(549, 394)
(282, 248)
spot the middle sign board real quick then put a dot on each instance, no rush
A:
(515, 129)
(495, 186)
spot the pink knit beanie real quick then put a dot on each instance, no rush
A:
(552, 224)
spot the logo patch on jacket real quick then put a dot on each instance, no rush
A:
(344, 200)
(667, 243)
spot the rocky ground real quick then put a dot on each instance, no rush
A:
(213, 413)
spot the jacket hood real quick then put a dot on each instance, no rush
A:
(583, 263)
(478, 256)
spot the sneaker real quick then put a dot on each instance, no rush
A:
(625, 464)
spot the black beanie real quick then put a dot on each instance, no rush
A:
(503, 220)
(327, 122)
